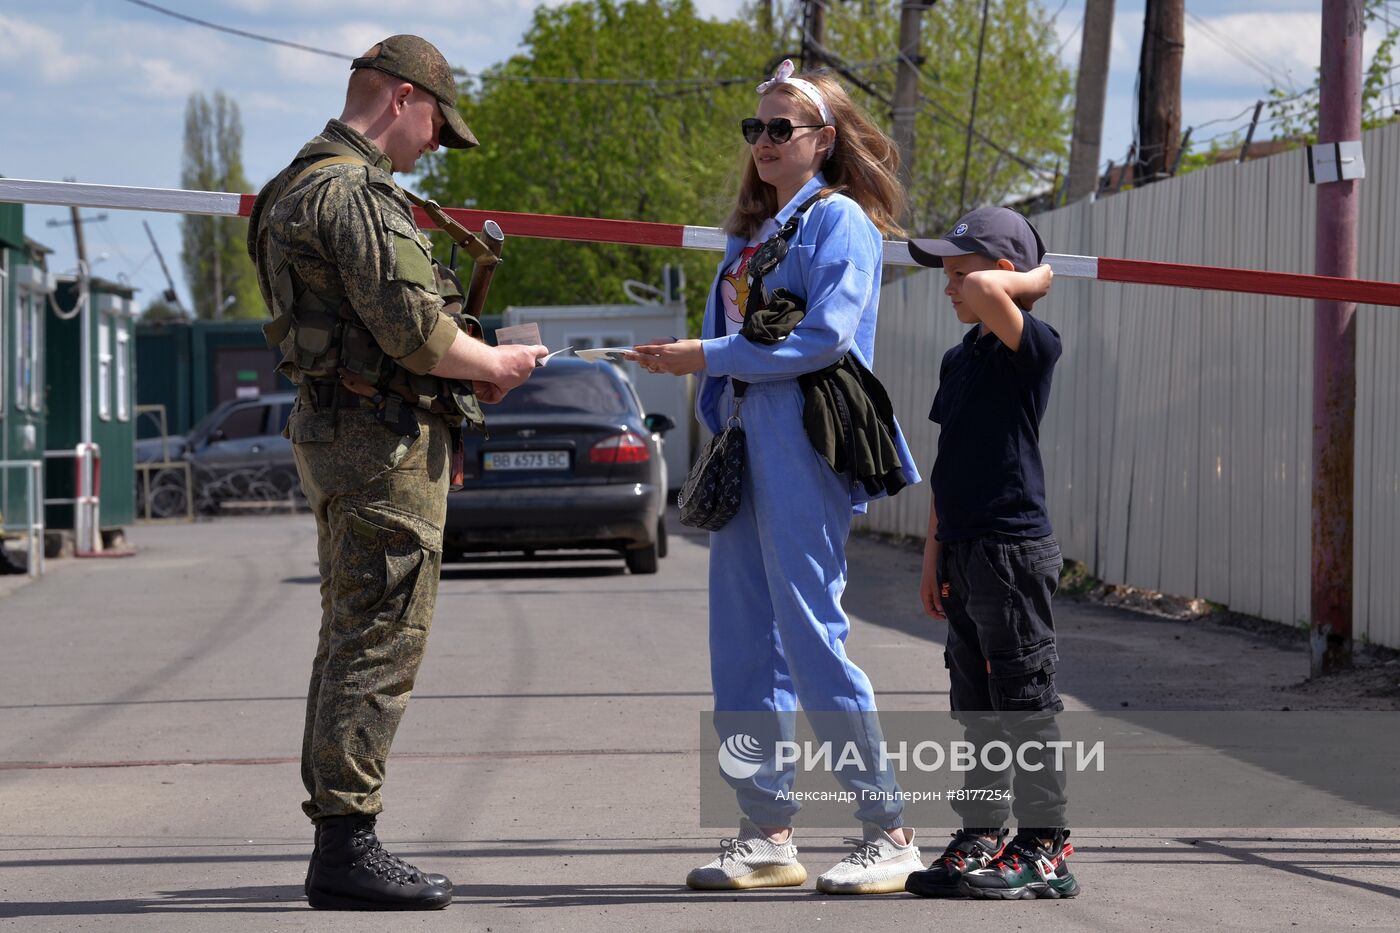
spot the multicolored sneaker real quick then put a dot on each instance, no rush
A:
(967, 852)
(877, 865)
(1025, 869)
(749, 860)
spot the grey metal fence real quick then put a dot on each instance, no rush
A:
(1178, 437)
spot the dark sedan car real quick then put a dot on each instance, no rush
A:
(236, 454)
(571, 463)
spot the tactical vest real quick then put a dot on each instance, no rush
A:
(331, 344)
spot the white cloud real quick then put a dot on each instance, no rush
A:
(1255, 50)
(717, 9)
(160, 78)
(444, 10)
(1247, 48)
(273, 102)
(307, 68)
(27, 45)
(436, 15)
(120, 73)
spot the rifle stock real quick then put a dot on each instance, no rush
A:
(485, 250)
(483, 272)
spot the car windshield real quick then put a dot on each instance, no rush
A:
(202, 426)
(563, 389)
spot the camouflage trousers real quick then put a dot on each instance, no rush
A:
(380, 500)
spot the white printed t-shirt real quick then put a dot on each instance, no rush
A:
(734, 285)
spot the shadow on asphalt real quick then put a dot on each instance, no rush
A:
(605, 895)
(532, 571)
(260, 899)
(1293, 866)
(1239, 850)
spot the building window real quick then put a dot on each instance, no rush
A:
(29, 380)
(123, 371)
(4, 319)
(104, 367)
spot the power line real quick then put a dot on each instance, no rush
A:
(1264, 121)
(1248, 109)
(482, 76)
(238, 32)
(976, 84)
(1069, 38)
(1236, 50)
(946, 116)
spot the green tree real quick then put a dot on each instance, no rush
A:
(669, 151)
(1024, 98)
(213, 250)
(161, 310)
(1295, 116)
(662, 153)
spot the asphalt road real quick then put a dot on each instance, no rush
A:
(548, 763)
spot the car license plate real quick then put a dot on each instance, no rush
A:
(527, 460)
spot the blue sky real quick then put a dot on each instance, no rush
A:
(95, 90)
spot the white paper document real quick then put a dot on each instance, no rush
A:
(593, 354)
(545, 359)
(527, 335)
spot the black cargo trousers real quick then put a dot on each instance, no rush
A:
(996, 592)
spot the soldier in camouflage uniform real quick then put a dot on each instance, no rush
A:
(386, 376)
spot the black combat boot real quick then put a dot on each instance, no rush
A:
(351, 871)
(434, 879)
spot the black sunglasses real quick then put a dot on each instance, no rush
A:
(779, 129)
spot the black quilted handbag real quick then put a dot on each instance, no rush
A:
(711, 494)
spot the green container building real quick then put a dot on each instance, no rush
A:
(163, 376)
(25, 291)
(112, 394)
(193, 367)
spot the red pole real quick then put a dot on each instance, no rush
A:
(1334, 347)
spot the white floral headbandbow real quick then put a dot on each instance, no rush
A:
(784, 76)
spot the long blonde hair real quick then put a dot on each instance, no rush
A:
(864, 165)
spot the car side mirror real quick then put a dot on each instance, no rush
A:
(217, 435)
(658, 423)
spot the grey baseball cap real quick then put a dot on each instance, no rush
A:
(994, 232)
(417, 61)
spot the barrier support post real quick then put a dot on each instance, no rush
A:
(1334, 349)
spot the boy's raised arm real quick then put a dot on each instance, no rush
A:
(996, 297)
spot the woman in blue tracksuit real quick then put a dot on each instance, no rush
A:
(778, 568)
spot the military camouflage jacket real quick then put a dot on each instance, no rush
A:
(348, 229)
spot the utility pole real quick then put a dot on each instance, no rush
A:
(972, 118)
(1159, 88)
(85, 503)
(171, 296)
(79, 242)
(906, 85)
(1089, 94)
(218, 269)
(813, 33)
(1334, 346)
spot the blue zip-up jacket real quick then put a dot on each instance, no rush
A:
(834, 262)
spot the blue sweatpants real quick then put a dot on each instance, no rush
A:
(777, 629)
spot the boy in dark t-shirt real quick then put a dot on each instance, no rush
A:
(991, 562)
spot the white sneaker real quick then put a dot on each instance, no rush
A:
(877, 865)
(750, 860)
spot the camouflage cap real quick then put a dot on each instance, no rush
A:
(418, 61)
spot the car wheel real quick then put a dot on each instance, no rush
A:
(662, 547)
(642, 559)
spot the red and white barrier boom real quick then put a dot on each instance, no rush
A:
(641, 233)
